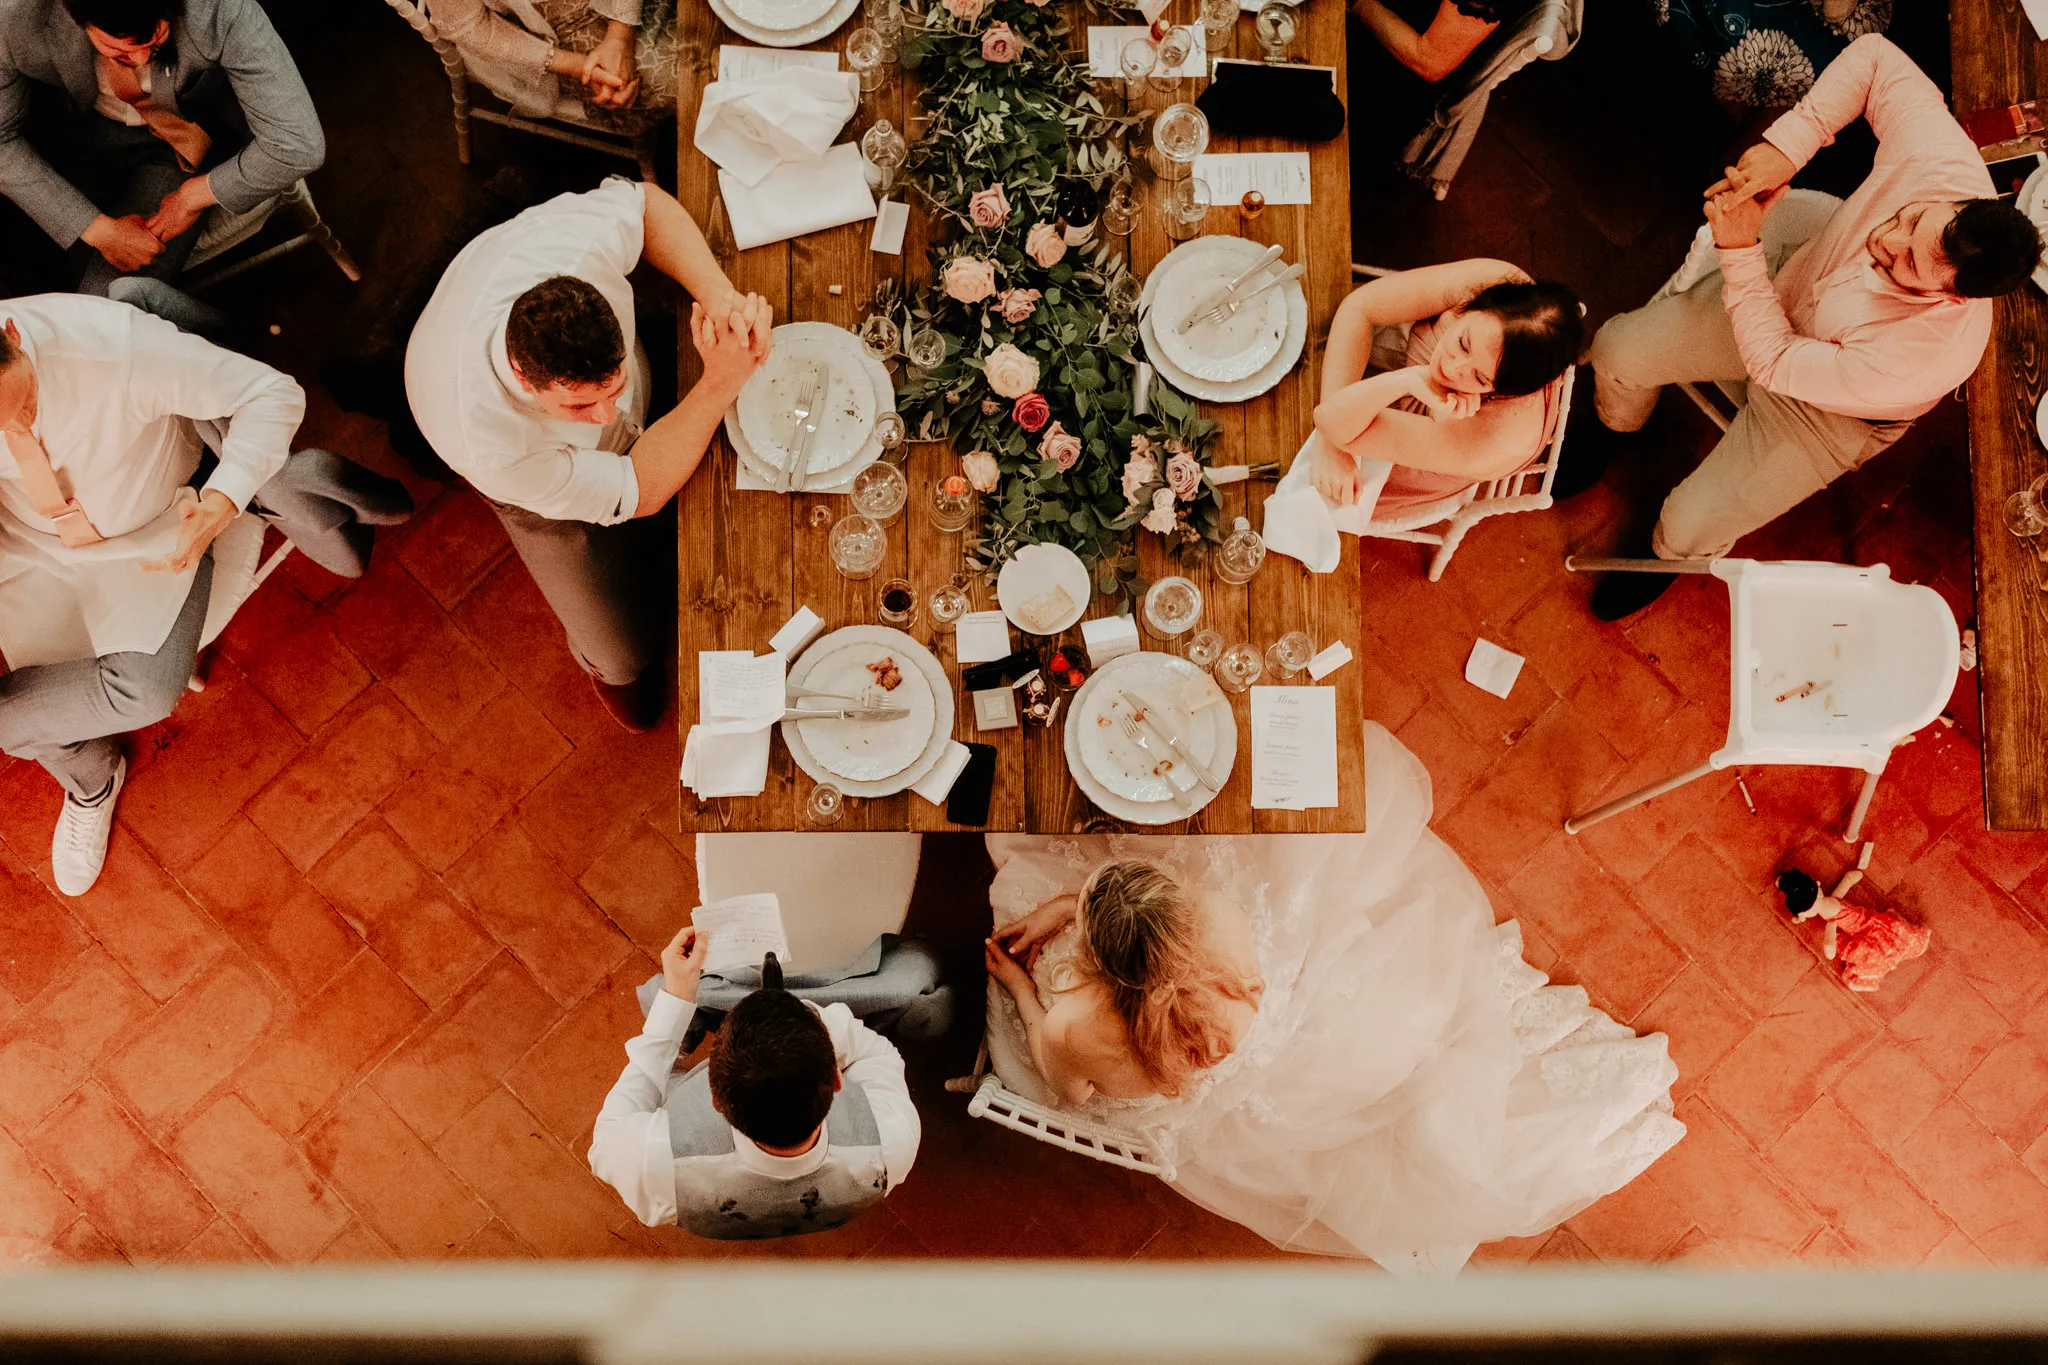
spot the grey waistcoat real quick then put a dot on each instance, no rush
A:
(716, 1196)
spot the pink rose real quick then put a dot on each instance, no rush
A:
(1184, 477)
(1060, 446)
(969, 10)
(1000, 44)
(1139, 471)
(1160, 519)
(1045, 244)
(981, 470)
(989, 208)
(1031, 411)
(1016, 305)
(969, 279)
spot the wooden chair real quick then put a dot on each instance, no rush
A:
(638, 148)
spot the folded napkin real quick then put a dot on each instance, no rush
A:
(740, 698)
(935, 785)
(1303, 524)
(725, 765)
(753, 125)
(799, 197)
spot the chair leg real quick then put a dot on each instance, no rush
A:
(458, 93)
(1574, 564)
(1635, 798)
(1855, 829)
(301, 202)
(1453, 537)
(643, 151)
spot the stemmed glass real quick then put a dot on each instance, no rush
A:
(1289, 654)
(1124, 293)
(1172, 606)
(1239, 667)
(1179, 135)
(880, 334)
(890, 433)
(1186, 206)
(857, 545)
(1204, 648)
(865, 53)
(949, 602)
(1138, 60)
(1219, 17)
(1174, 49)
(885, 17)
(927, 348)
(2026, 512)
(825, 804)
(1275, 27)
(879, 492)
(1119, 208)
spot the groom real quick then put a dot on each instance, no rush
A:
(799, 1121)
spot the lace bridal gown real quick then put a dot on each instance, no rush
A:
(1410, 1087)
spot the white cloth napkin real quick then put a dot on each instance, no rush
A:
(753, 125)
(937, 784)
(726, 753)
(800, 197)
(725, 765)
(1303, 524)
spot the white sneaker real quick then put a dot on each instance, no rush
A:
(79, 850)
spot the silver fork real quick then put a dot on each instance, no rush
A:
(1137, 737)
(1230, 306)
(806, 395)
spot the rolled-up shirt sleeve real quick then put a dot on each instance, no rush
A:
(174, 371)
(870, 1061)
(1871, 79)
(565, 483)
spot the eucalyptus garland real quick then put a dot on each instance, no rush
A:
(1035, 390)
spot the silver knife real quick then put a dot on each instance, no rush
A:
(857, 713)
(1222, 296)
(1291, 272)
(1180, 750)
(810, 431)
(806, 395)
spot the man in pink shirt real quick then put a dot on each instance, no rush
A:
(1845, 319)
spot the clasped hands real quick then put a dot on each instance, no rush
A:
(200, 519)
(1011, 953)
(733, 335)
(606, 69)
(1737, 202)
(132, 242)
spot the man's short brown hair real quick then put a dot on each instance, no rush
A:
(773, 1071)
(562, 331)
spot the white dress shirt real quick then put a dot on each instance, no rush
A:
(630, 1148)
(470, 405)
(117, 393)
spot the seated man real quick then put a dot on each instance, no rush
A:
(1396, 78)
(160, 109)
(106, 574)
(525, 378)
(1845, 337)
(800, 1120)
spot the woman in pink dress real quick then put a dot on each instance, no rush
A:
(1450, 373)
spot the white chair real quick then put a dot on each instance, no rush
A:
(568, 126)
(1832, 665)
(1047, 1123)
(838, 891)
(223, 232)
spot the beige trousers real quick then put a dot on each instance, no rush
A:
(1777, 453)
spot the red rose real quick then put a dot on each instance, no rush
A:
(1032, 411)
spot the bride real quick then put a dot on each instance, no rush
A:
(1327, 1034)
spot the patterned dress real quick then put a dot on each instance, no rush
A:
(580, 26)
(1763, 54)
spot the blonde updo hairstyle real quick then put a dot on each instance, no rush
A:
(1144, 933)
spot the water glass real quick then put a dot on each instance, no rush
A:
(1239, 667)
(880, 334)
(879, 492)
(1179, 135)
(890, 434)
(1119, 208)
(897, 606)
(2026, 512)
(1124, 294)
(948, 603)
(1186, 208)
(927, 348)
(824, 805)
(865, 53)
(857, 546)
(1172, 606)
(1289, 654)
(1275, 27)
(952, 503)
(1138, 60)
(1219, 18)
(1204, 648)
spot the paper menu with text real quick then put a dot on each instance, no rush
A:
(742, 929)
(1294, 748)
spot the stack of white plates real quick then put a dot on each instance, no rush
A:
(783, 23)
(2032, 200)
(1225, 362)
(871, 758)
(761, 424)
(1125, 780)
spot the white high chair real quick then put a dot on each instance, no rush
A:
(1832, 665)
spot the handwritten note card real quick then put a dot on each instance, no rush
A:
(1294, 748)
(1281, 176)
(742, 930)
(1106, 45)
(736, 63)
(738, 692)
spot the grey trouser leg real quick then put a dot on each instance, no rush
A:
(1679, 339)
(585, 572)
(174, 306)
(328, 506)
(64, 716)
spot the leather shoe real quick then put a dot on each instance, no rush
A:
(637, 705)
(1620, 593)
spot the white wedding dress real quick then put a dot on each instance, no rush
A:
(1409, 1087)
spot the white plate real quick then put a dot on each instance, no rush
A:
(780, 16)
(942, 699)
(795, 37)
(1036, 570)
(868, 751)
(846, 415)
(885, 401)
(1119, 763)
(1237, 391)
(1236, 348)
(1153, 673)
(2041, 419)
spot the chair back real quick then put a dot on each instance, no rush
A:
(1535, 480)
(1832, 664)
(838, 891)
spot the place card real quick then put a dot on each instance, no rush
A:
(1294, 748)
(1109, 637)
(981, 637)
(797, 633)
(1281, 176)
(742, 930)
(892, 219)
(1492, 669)
(737, 62)
(1106, 44)
(1329, 661)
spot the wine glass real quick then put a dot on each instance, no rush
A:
(1239, 667)
(825, 804)
(1289, 654)
(885, 17)
(1219, 17)
(2026, 512)
(890, 434)
(927, 348)
(880, 334)
(897, 606)
(1119, 208)
(1138, 60)
(1124, 294)
(1179, 135)
(948, 603)
(857, 545)
(1275, 27)
(1204, 648)
(879, 492)
(865, 52)
(952, 503)
(1186, 208)
(1174, 50)
(1172, 606)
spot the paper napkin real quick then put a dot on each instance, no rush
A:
(798, 198)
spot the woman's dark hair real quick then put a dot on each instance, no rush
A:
(773, 1071)
(1542, 331)
(132, 21)
(1487, 11)
(562, 331)
(1993, 247)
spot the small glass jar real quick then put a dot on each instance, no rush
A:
(1205, 647)
(1289, 654)
(1239, 667)
(857, 546)
(1241, 553)
(1172, 607)
(951, 507)
(879, 492)
(897, 604)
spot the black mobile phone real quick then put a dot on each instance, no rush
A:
(998, 672)
(967, 803)
(2008, 175)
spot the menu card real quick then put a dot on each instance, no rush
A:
(739, 692)
(1294, 748)
(1281, 176)
(742, 930)
(737, 63)
(1106, 45)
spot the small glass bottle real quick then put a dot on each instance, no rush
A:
(884, 149)
(1078, 209)
(1241, 553)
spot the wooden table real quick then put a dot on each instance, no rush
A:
(1998, 61)
(748, 560)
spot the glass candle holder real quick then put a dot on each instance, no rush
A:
(1289, 654)
(1172, 606)
(857, 546)
(879, 492)
(897, 605)
(825, 804)
(1238, 668)
(951, 507)
(1185, 206)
